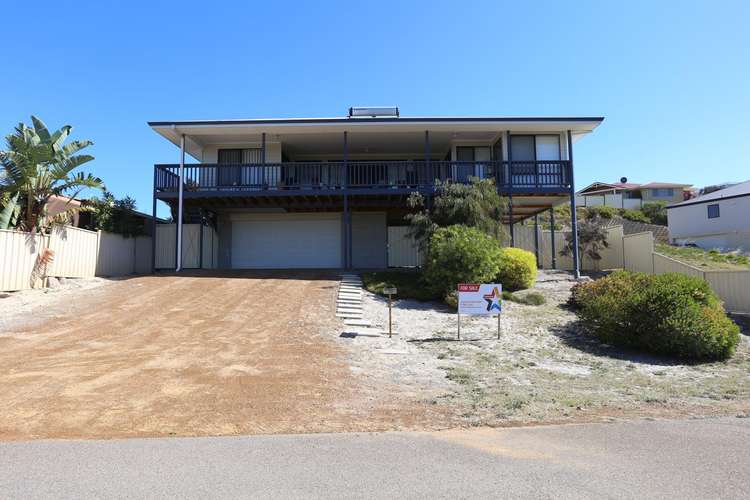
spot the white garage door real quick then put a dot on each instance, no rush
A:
(286, 241)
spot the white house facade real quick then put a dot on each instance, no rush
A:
(718, 220)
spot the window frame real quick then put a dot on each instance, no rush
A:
(718, 211)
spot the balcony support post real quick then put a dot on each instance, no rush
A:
(573, 218)
(263, 157)
(178, 259)
(510, 191)
(552, 234)
(347, 211)
(153, 226)
(536, 240)
(428, 164)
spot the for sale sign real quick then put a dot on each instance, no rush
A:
(475, 299)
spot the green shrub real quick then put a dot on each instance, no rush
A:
(656, 212)
(602, 211)
(517, 269)
(460, 254)
(670, 314)
(634, 215)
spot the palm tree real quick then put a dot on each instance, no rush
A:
(38, 165)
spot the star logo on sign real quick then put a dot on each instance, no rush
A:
(493, 299)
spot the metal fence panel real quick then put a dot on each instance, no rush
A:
(116, 255)
(75, 252)
(733, 287)
(18, 254)
(403, 250)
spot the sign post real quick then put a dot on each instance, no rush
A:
(390, 291)
(479, 300)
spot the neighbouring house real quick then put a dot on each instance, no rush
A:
(630, 195)
(720, 220)
(58, 204)
(332, 192)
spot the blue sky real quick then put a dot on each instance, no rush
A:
(671, 78)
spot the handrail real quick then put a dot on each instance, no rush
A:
(362, 174)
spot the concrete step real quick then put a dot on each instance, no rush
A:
(349, 315)
(357, 322)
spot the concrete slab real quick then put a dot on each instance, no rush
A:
(348, 307)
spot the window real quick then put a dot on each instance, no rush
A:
(522, 148)
(233, 174)
(662, 193)
(474, 156)
(535, 147)
(713, 211)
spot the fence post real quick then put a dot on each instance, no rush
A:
(98, 248)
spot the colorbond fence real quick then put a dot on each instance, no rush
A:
(612, 257)
(77, 253)
(200, 246)
(733, 287)
(635, 252)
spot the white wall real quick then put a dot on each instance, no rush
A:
(729, 231)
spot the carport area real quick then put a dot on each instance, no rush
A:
(199, 354)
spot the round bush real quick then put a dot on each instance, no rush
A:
(517, 269)
(460, 254)
(671, 314)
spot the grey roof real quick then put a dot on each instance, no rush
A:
(400, 119)
(741, 189)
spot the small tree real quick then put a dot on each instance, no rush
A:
(592, 239)
(113, 215)
(476, 204)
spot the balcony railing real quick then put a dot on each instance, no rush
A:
(362, 175)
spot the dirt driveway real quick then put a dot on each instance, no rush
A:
(188, 355)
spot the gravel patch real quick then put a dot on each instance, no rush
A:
(24, 306)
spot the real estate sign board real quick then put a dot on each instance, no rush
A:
(479, 299)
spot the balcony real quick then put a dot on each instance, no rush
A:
(360, 177)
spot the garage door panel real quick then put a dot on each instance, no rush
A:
(284, 242)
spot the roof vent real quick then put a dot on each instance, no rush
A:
(373, 112)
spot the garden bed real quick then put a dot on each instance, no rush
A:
(544, 368)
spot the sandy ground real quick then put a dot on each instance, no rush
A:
(542, 369)
(167, 355)
(250, 353)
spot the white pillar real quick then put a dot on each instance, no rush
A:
(179, 203)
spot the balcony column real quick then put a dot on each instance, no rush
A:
(510, 191)
(552, 234)
(536, 240)
(347, 212)
(428, 164)
(573, 218)
(263, 158)
(153, 227)
(178, 259)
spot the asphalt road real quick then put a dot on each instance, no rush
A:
(665, 459)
